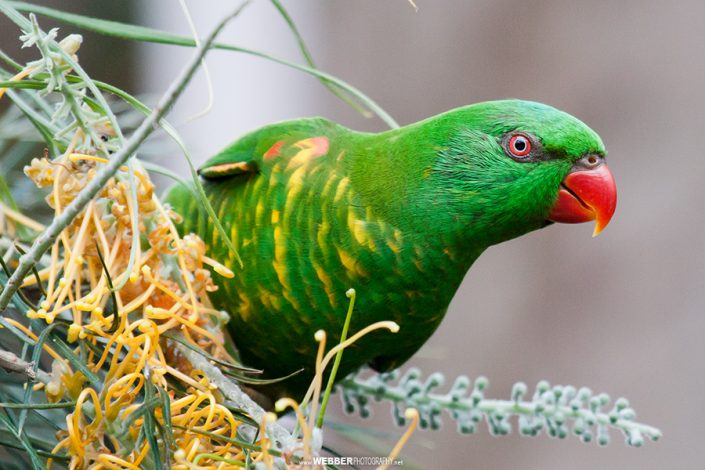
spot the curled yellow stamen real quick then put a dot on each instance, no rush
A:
(218, 267)
(282, 405)
(77, 157)
(413, 415)
(21, 218)
(320, 336)
(26, 331)
(16, 78)
(389, 325)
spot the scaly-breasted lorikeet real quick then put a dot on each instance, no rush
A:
(315, 208)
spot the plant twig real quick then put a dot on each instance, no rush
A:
(10, 361)
(232, 392)
(46, 239)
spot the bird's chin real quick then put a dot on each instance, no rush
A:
(586, 195)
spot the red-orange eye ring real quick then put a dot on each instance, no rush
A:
(519, 145)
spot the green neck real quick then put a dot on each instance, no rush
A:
(393, 173)
(429, 179)
(390, 171)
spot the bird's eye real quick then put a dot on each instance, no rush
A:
(519, 145)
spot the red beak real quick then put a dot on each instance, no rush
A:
(585, 195)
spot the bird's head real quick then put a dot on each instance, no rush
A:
(514, 166)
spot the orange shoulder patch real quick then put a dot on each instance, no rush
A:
(274, 151)
(310, 148)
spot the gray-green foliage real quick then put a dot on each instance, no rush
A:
(555, 410)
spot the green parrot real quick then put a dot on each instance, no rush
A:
(315, 209)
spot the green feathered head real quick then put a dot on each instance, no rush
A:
(509, 167)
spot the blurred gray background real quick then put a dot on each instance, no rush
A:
(623, 313)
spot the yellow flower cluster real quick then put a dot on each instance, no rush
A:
(162, 290)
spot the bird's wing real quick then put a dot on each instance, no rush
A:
(256, 152)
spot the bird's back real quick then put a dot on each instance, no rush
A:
(306, 235)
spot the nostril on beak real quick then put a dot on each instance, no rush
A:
(589, 162)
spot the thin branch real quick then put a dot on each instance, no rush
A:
(46, 239)
(10, 361)
(282, 438)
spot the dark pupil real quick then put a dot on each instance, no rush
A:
(520, 145)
